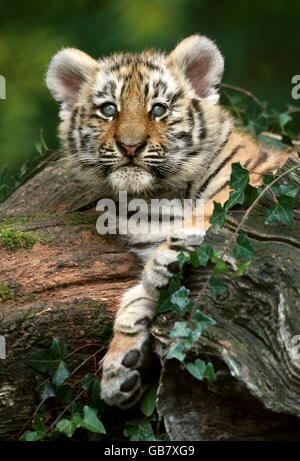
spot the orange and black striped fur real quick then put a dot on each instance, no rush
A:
(150, 124)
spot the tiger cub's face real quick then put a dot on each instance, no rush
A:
(139, 121)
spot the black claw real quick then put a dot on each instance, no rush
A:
(162, 287)
(173, 267)
(129, 383)
(150, 367)
(131, 358)
(133, 397)
(178, 247)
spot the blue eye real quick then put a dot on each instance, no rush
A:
(158, 110)
(109, 110)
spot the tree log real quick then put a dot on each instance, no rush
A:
(67, 285)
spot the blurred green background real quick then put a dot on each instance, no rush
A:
(259, 39)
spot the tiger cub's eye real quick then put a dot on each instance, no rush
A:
(158, 110)
(109, 109)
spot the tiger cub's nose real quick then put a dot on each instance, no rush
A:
(131, 151)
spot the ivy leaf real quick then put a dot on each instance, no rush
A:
(47, 391)
(87, 382)
(251, 194)
(268, 178)
(217, 286)
(283, 119)
(239, 178)
(164, 303)
(39, 426)
(196, 369)
(193, 336)
(48, 361)
(180, 330)
(219, 215)
(283, 189)
(93, 386)
(139, 432)
(66, 426)
(204, 254)
(210, 373)
(235, 197)
(58, 348)
(91, 421)
(281, 211)
(180, 299)
(148, 402)
(240, 269)
(220, 267)
(194, 258)
(244, 249)
(176, 352)
(202, 320)
(61, 373)
(38, 433)
(64, 394)
(43, 361)
(182, 258)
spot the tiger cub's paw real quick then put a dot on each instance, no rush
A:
(128, 368)
(164, 264)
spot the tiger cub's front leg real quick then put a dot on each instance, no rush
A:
(129, 363)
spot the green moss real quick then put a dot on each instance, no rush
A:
(17, 238)
(76, 219)
(26, 219)
(6, 293)
(80, 218)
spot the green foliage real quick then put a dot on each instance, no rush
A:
(10, 182)
(80, 407)
(14, 239)
(6, 293)
(176, 297)
(217, 285)
(239, 178)
(49, 361)
(219, 215)
(255, 117)
(139, 432)
(201, 370)
(148, 402)
(281, 211)
(244, 249)
(52, 362)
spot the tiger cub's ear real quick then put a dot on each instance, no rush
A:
(202, 64)
(68, 70)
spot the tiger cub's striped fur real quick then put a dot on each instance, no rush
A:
(150, 124)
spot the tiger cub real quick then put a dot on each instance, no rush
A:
(150, 124)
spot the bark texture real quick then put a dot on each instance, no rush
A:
(67, 285)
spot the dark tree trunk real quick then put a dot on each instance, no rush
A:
(68, 286)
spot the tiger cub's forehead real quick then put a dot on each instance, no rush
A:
(144, 76)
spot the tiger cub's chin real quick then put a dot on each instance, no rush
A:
(132, 179)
